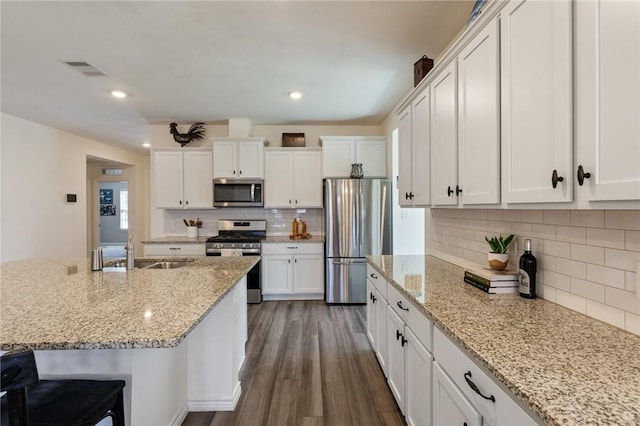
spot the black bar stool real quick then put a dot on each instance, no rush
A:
(30, 401)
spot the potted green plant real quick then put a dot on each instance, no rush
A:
(498, 256)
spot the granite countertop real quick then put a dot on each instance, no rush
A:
(286, 239)
(44, 306)
(177, 239)
(567, 368)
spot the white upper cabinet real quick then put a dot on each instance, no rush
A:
(182, 179)
(293, 178)
(607, 104)
(479, 119)
(339, 152)
(414, 187)
(444, 137)
(536, 77)
(238, 158)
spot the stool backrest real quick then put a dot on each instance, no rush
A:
(18, 370)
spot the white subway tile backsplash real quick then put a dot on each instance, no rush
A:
(588, 218)
(559, 281)
(557, 217)
(571, 234)
(622, 219)
(621, 259)
(532, 216)
(632, 240)
(582, 264)
(630, 282)
(587, 289)
(571, 301)
(605, 275)
(605, 238)
(605, 313)
(557, 248)
(589, 254)
(622, 299)
(632, 323)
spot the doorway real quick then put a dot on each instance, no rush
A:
(113, 198)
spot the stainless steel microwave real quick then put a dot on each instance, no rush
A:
(238, 193)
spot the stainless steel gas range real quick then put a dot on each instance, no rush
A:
(241, 238)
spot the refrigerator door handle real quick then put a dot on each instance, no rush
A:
(382, 217)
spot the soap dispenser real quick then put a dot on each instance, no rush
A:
(130, 253)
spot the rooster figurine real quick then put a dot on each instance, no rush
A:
(196, 132)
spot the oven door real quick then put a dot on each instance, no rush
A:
(237, 193)
(254, 283)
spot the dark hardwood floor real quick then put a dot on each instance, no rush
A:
(308, 364)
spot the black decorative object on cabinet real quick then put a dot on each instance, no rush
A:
(195, 132)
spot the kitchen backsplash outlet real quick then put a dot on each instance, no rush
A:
(587, 259)
(278, 220)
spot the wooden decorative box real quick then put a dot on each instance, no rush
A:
(421, 69)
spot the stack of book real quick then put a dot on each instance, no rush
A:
(493, 282)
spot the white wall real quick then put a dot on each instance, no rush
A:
(587, 259)
(40, 165)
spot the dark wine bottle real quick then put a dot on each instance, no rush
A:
(528, 266)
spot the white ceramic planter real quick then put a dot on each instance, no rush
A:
(498, 261)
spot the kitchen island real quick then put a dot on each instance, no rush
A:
(559, 365)
(176, 336)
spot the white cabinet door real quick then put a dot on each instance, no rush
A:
(608, 99)
(337, 157)
(372, 154)
(396, 354)
(450, 406)
(278, 176)
(381, 329)
(536, 92)
(250, 159)
(307, 179)
(404, 158)
(168, 178)
(444, 139)
(420, 151)
(418, 390)
(225, 159)
(276, 276)
(479, 118)
(372, 299)
(308, 274)
(198, 179)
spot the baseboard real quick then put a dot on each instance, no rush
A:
(313, 296)
(215, 403)
(180, 416)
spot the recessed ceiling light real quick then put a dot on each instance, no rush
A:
(295, 95)
(146, 145)
(118, 94)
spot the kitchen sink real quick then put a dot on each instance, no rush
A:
(148, 264)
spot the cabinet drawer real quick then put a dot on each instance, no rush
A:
(377, 280)
(504, 411)
(421, 326)
(292, 248)
(399, 303)
(189, 250)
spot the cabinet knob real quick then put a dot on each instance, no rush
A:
(458, 190)
(555, 178)
(398, 334)
(411, 195)
(449, 191)
(582, 175)
(289, 201)
(406, 195)
(187, 202)
(240, 172)
(403, 341)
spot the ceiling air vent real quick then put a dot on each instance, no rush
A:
(85, 68)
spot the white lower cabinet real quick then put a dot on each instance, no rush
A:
(472, 386)
(174, 250)
(419, 362)
(377, 316)
(450, 406)
(396, 365)
(292, 271)
(372, 323)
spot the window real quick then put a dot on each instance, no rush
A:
(124, 209)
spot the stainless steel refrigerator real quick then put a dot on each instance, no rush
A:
(357, 223)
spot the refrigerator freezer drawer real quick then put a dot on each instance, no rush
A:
(346, 280)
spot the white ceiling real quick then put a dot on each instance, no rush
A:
(214, 60)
